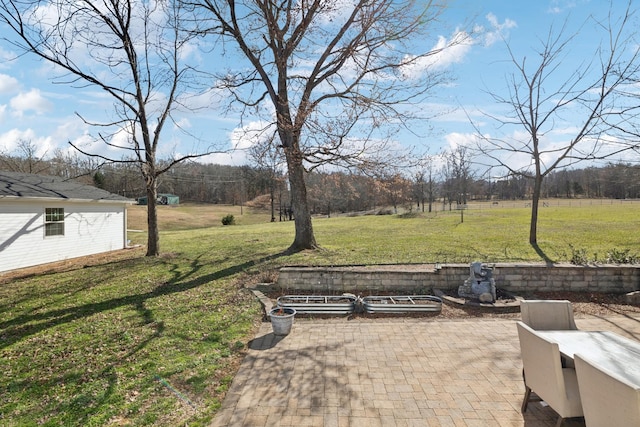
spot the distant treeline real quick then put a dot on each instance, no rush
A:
(336, 192)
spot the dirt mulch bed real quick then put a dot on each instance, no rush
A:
(584, 304)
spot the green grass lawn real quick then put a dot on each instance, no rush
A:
(156, 341)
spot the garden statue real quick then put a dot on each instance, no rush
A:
(480, 285)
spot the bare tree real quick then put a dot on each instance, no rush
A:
(395, 189)
(133, 51)
(626, 124)
(266, 154)
(425, 177)
(461, 174)
(70, 166)
(543, 92)
(419, 189)
(25, 158)
(331, 76)
(448, 190)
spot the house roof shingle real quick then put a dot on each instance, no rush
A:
(16, 184)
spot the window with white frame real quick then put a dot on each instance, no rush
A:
(54, 222)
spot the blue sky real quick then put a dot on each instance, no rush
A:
(33, 108)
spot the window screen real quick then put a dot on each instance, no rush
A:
(54, 222)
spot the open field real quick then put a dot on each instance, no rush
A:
(129, 340)
(485, 232)
(189, 216)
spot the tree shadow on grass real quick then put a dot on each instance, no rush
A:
(23, 326)
(78, 409)
(542, 254)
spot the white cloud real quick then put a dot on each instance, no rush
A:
(445, 53)
(245, 137)
(206, 100)
(560, 6)
(182, 123)
(457, 139)
(449, 51)
(30, 101)
(334, 12)
(8, 84)
(69, 127)
(6, 57)
(454, 50)
(10, 140)
(498, 31)
(234, 158)
(120, 139)
(451, 113)
(84, 141)
(561, 130)
(191, 50)
(241, 139)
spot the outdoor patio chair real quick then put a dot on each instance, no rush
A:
(607, 398)
(546, 315)
(544, 375)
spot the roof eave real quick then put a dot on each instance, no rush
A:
(67, 200)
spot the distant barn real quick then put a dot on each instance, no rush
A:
(162, 199)
(46, 219)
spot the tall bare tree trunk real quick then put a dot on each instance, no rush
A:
(153, 235)
(304, 238)
(535, 202)
(272, 196)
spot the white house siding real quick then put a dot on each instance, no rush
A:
(90, 228)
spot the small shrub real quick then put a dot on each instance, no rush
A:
(409, 215)
(385, 212)
(621, 256)
(228, 220)
(578, 256)
(265, 276)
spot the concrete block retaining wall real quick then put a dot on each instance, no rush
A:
(516, 278)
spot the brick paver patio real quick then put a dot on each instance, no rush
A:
(390, 372)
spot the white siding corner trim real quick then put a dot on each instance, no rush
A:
(89, 228)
